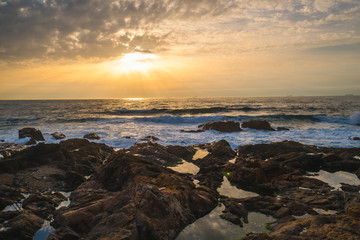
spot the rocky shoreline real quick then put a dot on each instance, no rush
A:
(87, 190)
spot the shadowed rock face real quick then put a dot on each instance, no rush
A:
(258, 125)
(92, 136)
(222, 126)
(33, 133)
(132, 194)
(132, 197)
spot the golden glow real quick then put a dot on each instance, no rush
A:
(134, 62)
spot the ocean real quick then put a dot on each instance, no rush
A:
(320, 121)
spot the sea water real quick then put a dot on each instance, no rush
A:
(321, 121)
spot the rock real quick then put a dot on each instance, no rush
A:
(23, 226)
(222, 149)
(133, 197)
(221, 126)
(356, 138)
(58, 135)
(258, 125)
(8, 149)
(91, 136)
(282, 129)
(150, 138)
(31, 132)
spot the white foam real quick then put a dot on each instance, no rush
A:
(355, 118)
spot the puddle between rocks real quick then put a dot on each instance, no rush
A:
(44, 231)
(213, 227)
(335, 179)
(228, 190)
(200, 153)
(186, 167)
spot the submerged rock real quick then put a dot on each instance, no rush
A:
(33, 133)
(221, 126)
(258, 125)
(92, 136)
(58, 135)
(150, 138)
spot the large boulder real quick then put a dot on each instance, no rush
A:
(91, 136)
(221, 126)
(58, 135)
(33, 133)
(258, 125)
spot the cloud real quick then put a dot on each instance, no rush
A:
(102, 29)
(92, 28)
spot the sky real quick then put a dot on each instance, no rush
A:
(76, 49)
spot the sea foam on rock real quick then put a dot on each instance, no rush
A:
(33, 133)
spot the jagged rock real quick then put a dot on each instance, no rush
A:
(33, 133)
(91, 136)
(135, 198)
(222, 149)
(23, 226)
(8, 149)
(258, 125)
(58, 135)
(221, 126)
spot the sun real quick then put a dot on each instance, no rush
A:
(134, 62)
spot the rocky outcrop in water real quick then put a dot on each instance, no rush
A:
(58, 135)
(91, 136)
(258, 125)
(221, 126)
(33, 133)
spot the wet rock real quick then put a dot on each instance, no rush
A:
(222, 149)
(23, 226)
(31, 132)
(221, 126)
(356, 138)
(91, 136)
(258, 125)
(156, 152)
(282, 129)
(8, 149)
(58, 135)
(134, 197)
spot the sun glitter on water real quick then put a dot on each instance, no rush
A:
(134, 62)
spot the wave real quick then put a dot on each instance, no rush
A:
(13, 119)
(355, 118)
(191, 111)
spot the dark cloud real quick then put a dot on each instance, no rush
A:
(92, 28)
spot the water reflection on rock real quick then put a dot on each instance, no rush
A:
(212, 227)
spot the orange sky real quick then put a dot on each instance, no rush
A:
(147, 48)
